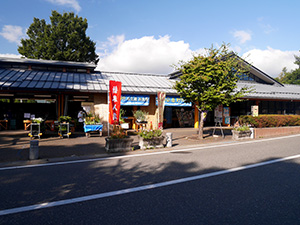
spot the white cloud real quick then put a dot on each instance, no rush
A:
(143, 55)
(71, 3)
(271, 61)
(12, 33)
(7, 55)
(112, 43)
(156, 55)
(242, 36)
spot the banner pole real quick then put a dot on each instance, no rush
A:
(108, 113)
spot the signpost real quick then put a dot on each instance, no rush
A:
(254, 110)
(218, 119)
(226, 114)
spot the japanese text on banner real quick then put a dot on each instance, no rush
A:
(115, 101)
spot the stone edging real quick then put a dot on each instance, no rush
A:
(275, 131)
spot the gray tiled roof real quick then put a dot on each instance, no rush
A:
(141, 83)
(266, 91)
(18, 79)
(51, 63)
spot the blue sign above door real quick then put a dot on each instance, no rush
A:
(175, 101)
(135, 100)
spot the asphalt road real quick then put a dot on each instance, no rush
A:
(234, 183)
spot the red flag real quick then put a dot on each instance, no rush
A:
(114, 101)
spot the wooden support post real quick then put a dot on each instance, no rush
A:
(60, 105)
(196, 117)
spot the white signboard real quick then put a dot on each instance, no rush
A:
(219, 113)
(254, 110)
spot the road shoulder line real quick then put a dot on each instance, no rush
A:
(140, 188)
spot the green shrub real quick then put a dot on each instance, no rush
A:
(65, 119)
(92, 119)
(140, 115)
(270, 120)
(37, 120)
(149, 134)
(242, 128)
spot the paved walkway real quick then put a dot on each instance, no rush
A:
(15, 144)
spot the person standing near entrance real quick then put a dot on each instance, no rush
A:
(81, 115)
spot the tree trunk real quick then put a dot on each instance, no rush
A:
(200, 131)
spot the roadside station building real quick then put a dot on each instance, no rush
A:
(49, 89)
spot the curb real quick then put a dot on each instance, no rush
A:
(106, 155)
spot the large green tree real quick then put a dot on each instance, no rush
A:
(64, 39)
(292, 77)
(210, 80)
(297, 60)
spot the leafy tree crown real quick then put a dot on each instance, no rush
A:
(210, 80)
(64, 39)
(290, 77)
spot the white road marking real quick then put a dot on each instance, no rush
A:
(141, 188)
(145, 154)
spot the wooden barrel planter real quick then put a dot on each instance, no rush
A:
(118, 145)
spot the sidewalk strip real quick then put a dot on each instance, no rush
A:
(141, 188)
(145, 154)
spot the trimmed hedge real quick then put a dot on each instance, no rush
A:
(271, 120)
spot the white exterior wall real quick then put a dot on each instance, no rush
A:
(101, 109)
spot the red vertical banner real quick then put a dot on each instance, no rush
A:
(114, 101)
(161, 96)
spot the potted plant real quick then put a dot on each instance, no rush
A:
(36, 128)
(64, 119)
(123, 124)
(64, 126)
(241, 132)
(91, 119)
(37, 120)
(151, 139)
(140, 116)
(118, 141)
(92, 124)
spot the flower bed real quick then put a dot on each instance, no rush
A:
(270, 120)
(272, 125)
(151, 139)
(241, 132)
(118, 141)
(238, 135)
(155, 142)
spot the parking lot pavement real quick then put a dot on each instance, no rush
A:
(15, 144)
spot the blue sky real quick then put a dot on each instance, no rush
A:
(148, 36)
